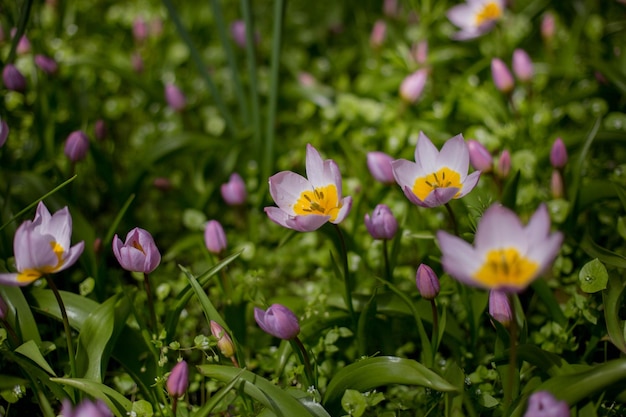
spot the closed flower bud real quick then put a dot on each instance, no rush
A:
(544, 404)
(234, 191)
(178, 380)
(427, 282)
(76, 146)
(13, 78)
(413, 85)
(504, 164)
(382, 224)
(547, 27)
(23, 46)
(175, 97)
(557, 189)
(480, 157)
(278, 321)
(379, 164)
(46, 64)
(86, 408)
(239, 35)
(214, 237)
(4, 132)
(379, 32)
(419, 51)
(138, 253)
(558, 154)
(390, 8)
(140, 30)
(500, 308)
(522, 65)
(162, 184)
(100, 129)
(502, 77)
(224, 342)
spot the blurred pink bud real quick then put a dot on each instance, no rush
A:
(390, 8)
(556, 184)
(238, 32)
(502, 77)
(224, 342)
(544, 404)
(419, 51)
(178, 380)
(379, 32)
(547, 26)
(86, 408)
(13, 78)
(522, 65)
(23, 46)
(234, 191)
(97, 245)
(504, 164)
(500, 308)
(480, 157)
(382, 224)
(175, 97)
(138, 253)
(140, 30)
(162, 183)
(214, 237)
(379, 164)
(100, 129)
(427, 282)
(413, 85)
(278, 321)
(46, 64)
(558, 154)
(4, 132)
(306, 79)
(76, 146)
(136, 61)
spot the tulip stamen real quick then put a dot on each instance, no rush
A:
(490, 12)
(444, 178)
(321, 201)
(506, 266)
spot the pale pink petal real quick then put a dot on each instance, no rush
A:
(544, 251)
(32, 250)
(344, 210)
(11, 279)
(440, 196)
(470, 182)
(42, 212)
(426, 155)
(454, 155)
(461, 15)
(500, 227)
(538, 226)
(458, 258)
(405, 172)
(408, 192)
(318, 172)
(59, 226)
(72, 256)
(286, 188)
(334, 174)
(307, 223)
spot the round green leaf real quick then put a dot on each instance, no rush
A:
(593, 276)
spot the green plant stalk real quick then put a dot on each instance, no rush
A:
(66, 326)
(455, 226)
(21, 28)
(297, 346)
(435, 335)
(388, 273)
(252, 74)
(268, 152)
(230, 57)
(508, 393)
(153, 318)
(346, 276)
(197, 59)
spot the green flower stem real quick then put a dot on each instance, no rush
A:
(153, 318)
(455, 226)
(66, 326)
(252, 75)
(508, 393)
(298, 347)
(435, 335)
(174, 405)
(21, 28)
(388, 273)
(346, 275)
(10, 331)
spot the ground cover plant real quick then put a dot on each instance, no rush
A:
(398, 208)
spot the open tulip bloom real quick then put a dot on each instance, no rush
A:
(506, 256)
(42, 246)
(436, 177)
(475, 17)
(305, 204)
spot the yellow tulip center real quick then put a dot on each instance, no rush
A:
(323, 201)
(491, 11)
(31, 275)
(444, 178)
(506, 267)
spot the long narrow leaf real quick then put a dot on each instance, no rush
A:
(32, 352)
(19, 314)
(612, 298)
(118, 404)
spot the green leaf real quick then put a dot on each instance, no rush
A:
(215, 399)
(353, 403)
(210, 312)
(19, 314)
(259, 388)
(10, 381)
(593, 276)
(32, 352)
(509, 195)
(605, 255)
(612, 298)
(375, 372)
(118, 404)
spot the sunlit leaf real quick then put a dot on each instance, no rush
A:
(32, 352)
(593, 276)
(612, 299)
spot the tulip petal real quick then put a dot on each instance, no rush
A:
(318, 171)
(470, 182)
(405, 172)
(499, 227)
(346, 205)
(286, 188)
(72, 255)
(426, 155)
(545, 250)
(459, 259)
(454, 155)
(11, 279)
(440, 196)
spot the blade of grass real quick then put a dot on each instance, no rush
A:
(252, 74)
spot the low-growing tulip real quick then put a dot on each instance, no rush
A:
(381, 224)
(503, 167)
(544, 404)
(46, 64)
(413, 85)
(175, 97)
(502, 77)
(178, 380)
(138, 253)
(558, 154)
(224, 342)
(379, 33)
(480, 157)
(379, 165)
(427, 282)
(278, 321)
(13, 78)
(86, 408)
(42, 246)
(234, 191)
(214, 237)
(100, 129)
(475, 17)
(548, 26)
(76, 146)
(522, 65)
(500, 307)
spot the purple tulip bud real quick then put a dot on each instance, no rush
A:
(379, 164)
(13, 78)
(522, 65)
(504, 164)
(427, 282)
(480, 157)
(175, 97)
(4, 132)
(86, 408)
(178, 380)
(136, 61)
(76, 146)
(162, 184)
(556, 184)
(234, 191)
(46, 64)
(138, 253)
(502, 77)
(214, 237)
(278, 321)
(413, 85)
(547, 27)
(419, 51)
(558, 154)
(379, 32)
(500, 308)
(390, 8)
(140, 30)
(100, 129)
(4, 308)
(23, 45)
(544, 404)
(238, 32)
(382, 224)
(224, 342)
